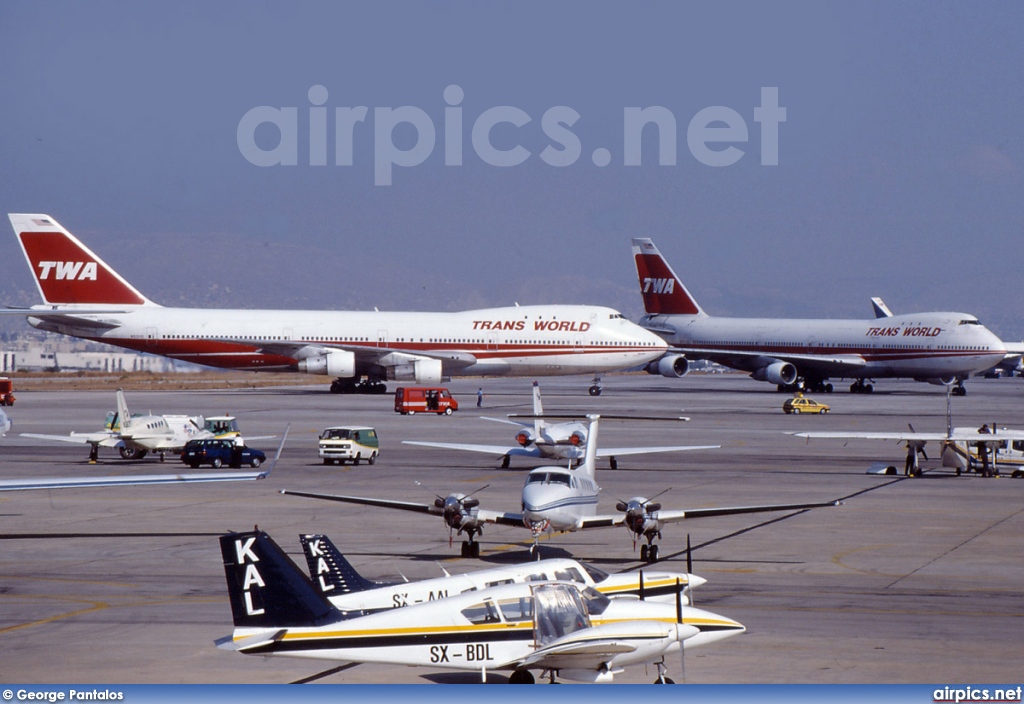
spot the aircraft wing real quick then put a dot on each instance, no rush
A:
(622, 451)
(384, 356)
(516, 451)
(509, 422)
(104, 438)
(126, 480)
(970, 436)
(366, 501)
(140, 479)
(591, 648)
(835, 363)
(674, 516)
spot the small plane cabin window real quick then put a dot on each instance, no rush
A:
(570, 575)
(484, 612)
(517, 610)
(500, 582)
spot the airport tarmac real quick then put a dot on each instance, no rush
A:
(909, 581)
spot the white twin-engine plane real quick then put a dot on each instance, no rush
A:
(136, 436)
(555, 500)
(83, 297)
(556, 441)
(559, 628)
(336, 578)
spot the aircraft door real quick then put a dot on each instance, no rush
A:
(558, 611)
(151, 336)
(382, 338)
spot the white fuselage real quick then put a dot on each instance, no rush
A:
(921, 346)
(526, 340)
(556, 499)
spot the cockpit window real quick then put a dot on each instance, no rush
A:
(548, 478)
(595, 574)
(569, 575)
(969, 322)
(595, 601)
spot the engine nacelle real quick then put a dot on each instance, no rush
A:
(422, 371)
(339, 363)
(671, 365)
(578, 438)
(939, 380)
(524, 437)
(777, 373)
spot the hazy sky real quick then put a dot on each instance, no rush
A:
(899, 161)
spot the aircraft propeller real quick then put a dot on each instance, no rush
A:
(640, 522)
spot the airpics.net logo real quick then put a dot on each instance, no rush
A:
(714, 135)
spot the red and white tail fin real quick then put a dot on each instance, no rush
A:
(66, 271)
(663, 292)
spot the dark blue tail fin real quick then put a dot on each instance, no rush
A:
(330, 571)
(267, 589)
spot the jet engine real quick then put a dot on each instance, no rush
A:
(422, 371)
(671, 365)
(339, 363)
(939, 380)
(524, 437)
(777, 373)
(578, 438)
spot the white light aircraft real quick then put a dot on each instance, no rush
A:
(83, 297)
(556, 441)
(136, 436)
(961, 448)
(554, 627)
(347, 590)
(139, 479)
(940, 348)
(556, 500)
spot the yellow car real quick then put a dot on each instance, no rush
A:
(801, 404)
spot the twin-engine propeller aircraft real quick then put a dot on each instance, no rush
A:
(140, 479)
(940, 348)
(556, 441)
(555, 627)
(136, 436)
(83, 297)
(979, 449)
(347, 590)
(556, 500)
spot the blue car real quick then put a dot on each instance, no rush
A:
(220, 452)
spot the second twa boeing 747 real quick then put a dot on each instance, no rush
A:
(83, 297)
(940, 348)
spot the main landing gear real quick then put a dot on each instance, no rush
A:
(470, 548)
(861, 387)
(595, 389)
(959, 389)
(364, 386)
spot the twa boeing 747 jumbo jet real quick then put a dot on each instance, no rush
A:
(940, 348)
(83, 297)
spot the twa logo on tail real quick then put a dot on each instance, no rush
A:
(659, 285)
(66, 271)
(75, 271)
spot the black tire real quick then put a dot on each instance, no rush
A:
(822, 411)
(664, 680)
(594, 390)
(356, 459)
(255, 462)
(643, 553)
(652, 554)
(327, 461)
(448, 411)
(217, 463)
(373, 459)
(796, 411)
(193, 465)
(521, 677)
